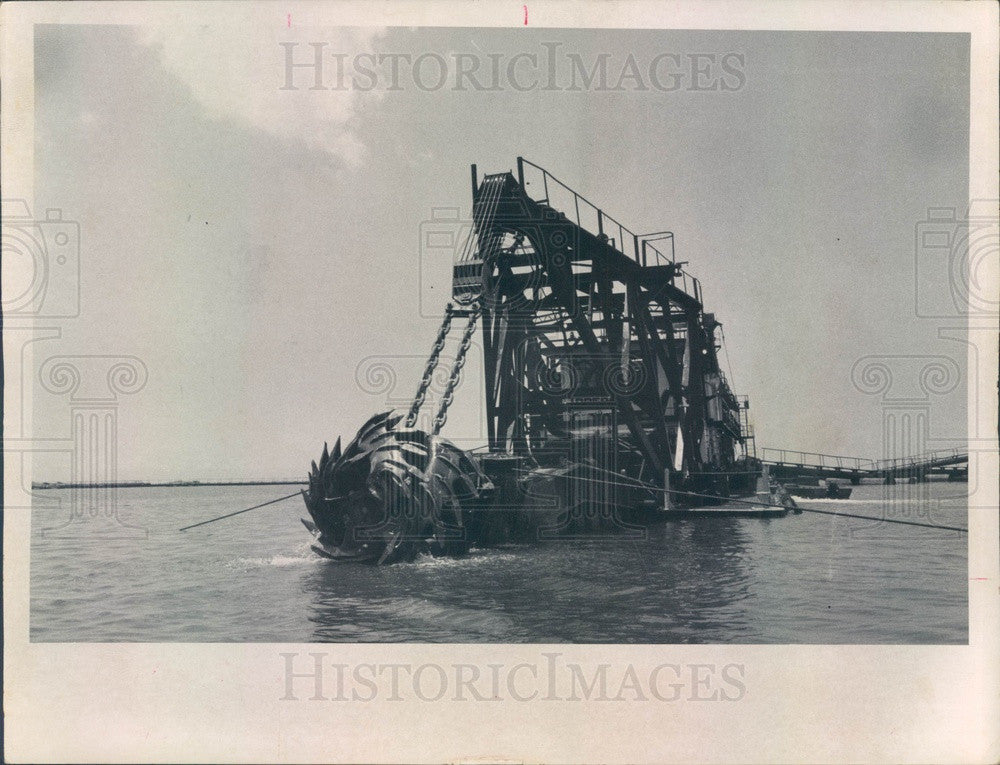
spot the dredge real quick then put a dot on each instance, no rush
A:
(606, 405)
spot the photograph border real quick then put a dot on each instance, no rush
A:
(180, 702)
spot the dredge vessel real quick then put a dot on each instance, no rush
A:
(605, 402)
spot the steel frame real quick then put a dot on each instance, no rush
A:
(561, 300)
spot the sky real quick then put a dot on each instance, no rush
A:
(260, 249)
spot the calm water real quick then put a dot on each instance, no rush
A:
(801, 579)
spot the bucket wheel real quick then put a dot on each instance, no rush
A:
(392, 494)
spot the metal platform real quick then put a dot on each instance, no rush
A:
(788, 465)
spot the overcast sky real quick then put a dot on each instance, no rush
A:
(253, 245)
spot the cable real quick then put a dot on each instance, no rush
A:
(230, 515)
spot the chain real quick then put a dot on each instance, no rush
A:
(456, 370)
(432, 362)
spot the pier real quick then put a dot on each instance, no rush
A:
(788, 465)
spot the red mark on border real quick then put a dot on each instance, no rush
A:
(525, 15)
(289, 21)
(979, 579)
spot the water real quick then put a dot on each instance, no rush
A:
(800, 579)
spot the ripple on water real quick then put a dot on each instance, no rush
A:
(806, 578)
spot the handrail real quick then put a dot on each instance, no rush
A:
(624, 240)
(813, 459)
(825, 460)
(657, 236)
(921, 460)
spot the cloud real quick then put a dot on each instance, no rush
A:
(234, 65)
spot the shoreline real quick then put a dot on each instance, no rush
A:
(152, 484)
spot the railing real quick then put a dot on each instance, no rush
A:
(732, 422)
(941, 457)
(812, 459)
(929, 459)
(688, 284)
(726, 393)
(650, 253)
(590, 217)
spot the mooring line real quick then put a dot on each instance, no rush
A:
(883, 520)
(247, 510)
(653, 488)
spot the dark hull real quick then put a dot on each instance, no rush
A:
(395, 494)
